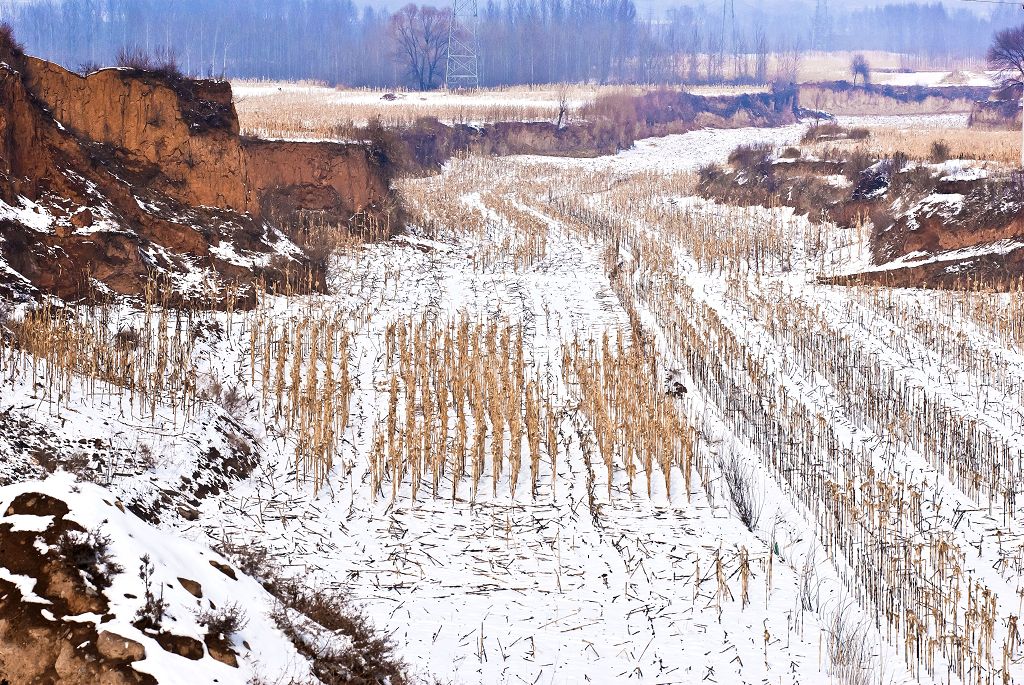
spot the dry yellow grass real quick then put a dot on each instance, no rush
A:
(1001, 147)
(311, 111)
(314, 111)
(832, 66)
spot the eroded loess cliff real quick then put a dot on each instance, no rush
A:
(110, 179)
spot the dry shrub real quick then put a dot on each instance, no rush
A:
(224, 622)
(750, 157)
(832, 131)
(939, 152)
(8, 43)
(233, 401)
(88, 67)
(850, 650)
(855, 164)
(739, 479)
(150, 615)
(372, 658)
(163, 61)
(89, 552)
(618, 108)
(912, 182)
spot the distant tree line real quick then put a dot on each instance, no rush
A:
(522, 41)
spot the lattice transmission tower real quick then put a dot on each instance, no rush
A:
(729, 34)
(463, 70)
(822, 28)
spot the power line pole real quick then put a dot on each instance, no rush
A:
(821, 25)
(463, 68)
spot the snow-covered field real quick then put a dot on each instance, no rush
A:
(878, 435)
(296, 111)
(937, 79)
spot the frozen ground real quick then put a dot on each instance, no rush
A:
(913, 122)
(936, 79)
(597, 582)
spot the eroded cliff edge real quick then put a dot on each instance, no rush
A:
(110, 179)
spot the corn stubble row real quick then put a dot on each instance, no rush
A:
(465, 410)
(462, 404)
(149, 355)
(302, 369)
(877, 528)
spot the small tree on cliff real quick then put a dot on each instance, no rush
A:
(419, 39)
(1006, 56)
(859, 67)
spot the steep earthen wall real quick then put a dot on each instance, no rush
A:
(842, 98)
(996, 115)
(338, 179)
(189, 132)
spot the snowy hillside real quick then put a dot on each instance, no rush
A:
(577, 426)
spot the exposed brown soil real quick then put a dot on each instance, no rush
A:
(335, 179)
(36, 648)
(914, 212)
(145, 173)
(994, 272)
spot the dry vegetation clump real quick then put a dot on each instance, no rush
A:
(8, 43)
(223, 622)
(321, 623)
(163, 61)
(831, 132)
(1001, 147)
(321, 236)
(850, 650)
(89, 552)
(740, 482)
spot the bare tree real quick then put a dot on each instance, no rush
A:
(787, 66)
(859, 67)
(563, 104)
(761, 56)
(1006, 56)
(419, 36)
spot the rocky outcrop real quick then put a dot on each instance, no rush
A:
(36, 645)
(90, 594)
